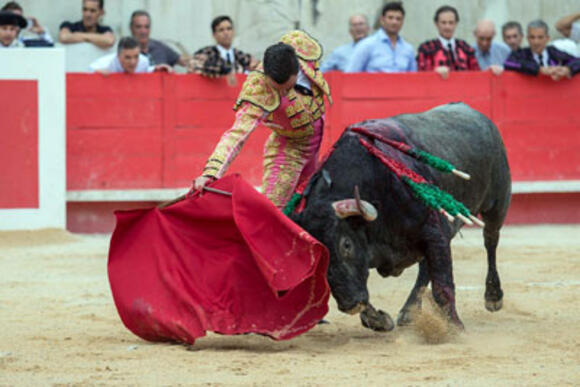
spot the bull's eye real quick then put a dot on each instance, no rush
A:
(345, 247)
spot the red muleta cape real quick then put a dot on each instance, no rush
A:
(230, 265)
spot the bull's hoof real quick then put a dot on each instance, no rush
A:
(493, 306)
(377, 320)
(404, 318)
(493, 297)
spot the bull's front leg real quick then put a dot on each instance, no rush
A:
(414, 300)
(440, 269)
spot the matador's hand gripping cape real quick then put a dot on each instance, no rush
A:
(290, 117)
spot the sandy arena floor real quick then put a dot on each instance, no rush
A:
(59, 325)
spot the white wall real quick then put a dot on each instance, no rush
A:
(47, 67)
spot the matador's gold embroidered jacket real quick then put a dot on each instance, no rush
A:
(290, 117)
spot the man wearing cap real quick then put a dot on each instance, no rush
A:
(34, 34)
(10, 25)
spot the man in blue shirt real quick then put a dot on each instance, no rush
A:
(489, 54)
(385, 50)
(338, 59)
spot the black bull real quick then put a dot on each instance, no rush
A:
(406, 231)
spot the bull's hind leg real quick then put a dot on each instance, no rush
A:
(493, 292)
(414, 299)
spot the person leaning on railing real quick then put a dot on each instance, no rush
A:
(222, 58)
(446, 52)
(540, 58)
(385, 51)
(490, 55)
(127, 60)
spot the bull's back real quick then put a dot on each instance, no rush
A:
(470, 141)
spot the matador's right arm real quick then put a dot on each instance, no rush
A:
(248, 116)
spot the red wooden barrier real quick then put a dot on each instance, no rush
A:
(19, 144)
(156, 131)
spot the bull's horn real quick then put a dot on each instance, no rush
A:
(367, 210)
(348, 207)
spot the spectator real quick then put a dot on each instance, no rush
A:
(88, 29)
(34, 34)
(446, 53)
(541, 58)
(222, 58)
(156, 51)
(569, 26)
(338, 59)
(488, 53)
(127, 60)
(513, 35)
(385, 51)
(10, 25)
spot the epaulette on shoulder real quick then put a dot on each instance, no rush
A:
(258, 92)
(306, 47)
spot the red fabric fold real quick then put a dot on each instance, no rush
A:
(230, 265)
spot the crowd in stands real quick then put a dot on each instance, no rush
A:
(387, 51)
(382, 51)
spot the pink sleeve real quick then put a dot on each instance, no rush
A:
(248, 117)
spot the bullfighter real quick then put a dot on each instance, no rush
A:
(286, 93)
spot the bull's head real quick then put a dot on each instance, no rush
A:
(343, 229)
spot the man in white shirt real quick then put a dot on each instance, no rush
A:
(128, 60)
(569, 26)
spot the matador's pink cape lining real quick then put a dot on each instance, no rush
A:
(230, 265)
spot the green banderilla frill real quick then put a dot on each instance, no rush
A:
(434, 161)
(436, 198)
(291, 205)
